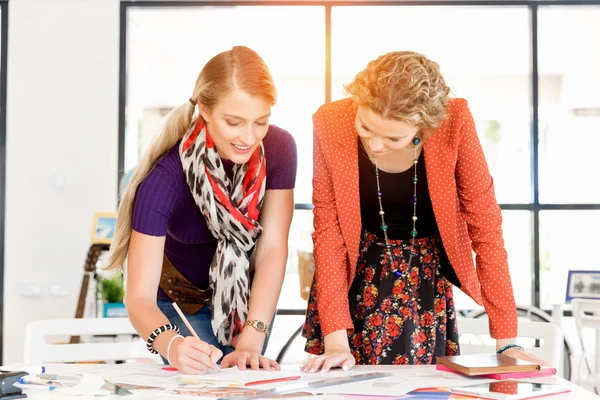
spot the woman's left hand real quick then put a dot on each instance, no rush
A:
(522, 355)
(248, 358)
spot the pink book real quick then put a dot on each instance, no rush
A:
(544, 371)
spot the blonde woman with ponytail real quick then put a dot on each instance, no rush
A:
(212, 191)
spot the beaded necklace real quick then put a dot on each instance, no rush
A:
(384, 227)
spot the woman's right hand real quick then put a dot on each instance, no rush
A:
(336, 357)
(193, 356)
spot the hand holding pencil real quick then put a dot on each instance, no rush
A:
(194, 356)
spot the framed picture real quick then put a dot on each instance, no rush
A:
(104, 227)
(583, 285)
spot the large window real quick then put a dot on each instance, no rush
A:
(569, 105)
(167, 47)
(510, 62)
(490, 69)
(569, 239)
(569, 67)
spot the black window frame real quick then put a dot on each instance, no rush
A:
(535, 207)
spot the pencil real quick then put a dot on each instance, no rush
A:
(189, 326)
(185, 320)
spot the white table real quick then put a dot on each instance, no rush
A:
(577, 392)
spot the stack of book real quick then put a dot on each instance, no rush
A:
(502, 368)
(493, 366)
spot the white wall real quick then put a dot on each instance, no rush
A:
(62, 119)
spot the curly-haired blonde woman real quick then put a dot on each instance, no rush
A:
(402, 194)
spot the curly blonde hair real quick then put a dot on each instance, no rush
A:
(404, 86)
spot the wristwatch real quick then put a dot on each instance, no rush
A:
(258, 325)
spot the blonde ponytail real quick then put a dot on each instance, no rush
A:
(177, 124)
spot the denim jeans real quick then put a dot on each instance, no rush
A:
(201, 324)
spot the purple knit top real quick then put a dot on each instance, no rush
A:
(164, 206)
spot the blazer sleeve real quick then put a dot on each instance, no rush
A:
(482, 213)
(330, 251)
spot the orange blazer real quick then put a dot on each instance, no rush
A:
(464, 205)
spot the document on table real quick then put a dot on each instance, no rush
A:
(235, 376)
(288, 375)
(147, 376)
(135, 374)
(404, 380)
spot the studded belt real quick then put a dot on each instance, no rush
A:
(187, 296)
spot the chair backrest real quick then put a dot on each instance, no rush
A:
(37, 349)
(586, 313)
(544, 339)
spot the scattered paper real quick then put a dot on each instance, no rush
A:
(242, 376)
(134, 388)
(215, 392)
(234, 376)
(130, 373)
(151, 381)
(404, 379)
(89, 385)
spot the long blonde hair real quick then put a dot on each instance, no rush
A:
(402, 85)
(239, 67)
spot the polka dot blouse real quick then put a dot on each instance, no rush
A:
(464, 204)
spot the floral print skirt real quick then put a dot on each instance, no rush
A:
(402, 314)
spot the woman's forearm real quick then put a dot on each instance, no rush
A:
(145, 316)
(337, 341)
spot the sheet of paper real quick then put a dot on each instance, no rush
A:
(242, 376)
(212, 392)
(404, 380)
(88, 385)
(145, 378)
(131, 373)
(233, 375)
(249, 373)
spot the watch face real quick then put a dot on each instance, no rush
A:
(260, 325)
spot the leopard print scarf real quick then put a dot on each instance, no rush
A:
(231, 211)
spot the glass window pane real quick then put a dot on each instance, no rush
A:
(518, 239)
(569, 70)
(560, 250)
(168, 46)
(300, 248)
(481, 59)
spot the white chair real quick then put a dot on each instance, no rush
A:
(37, 348)
(586, 313)
(542, 339)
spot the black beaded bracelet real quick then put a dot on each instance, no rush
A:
(156, 332)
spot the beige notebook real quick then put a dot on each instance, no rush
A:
(482, 364)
